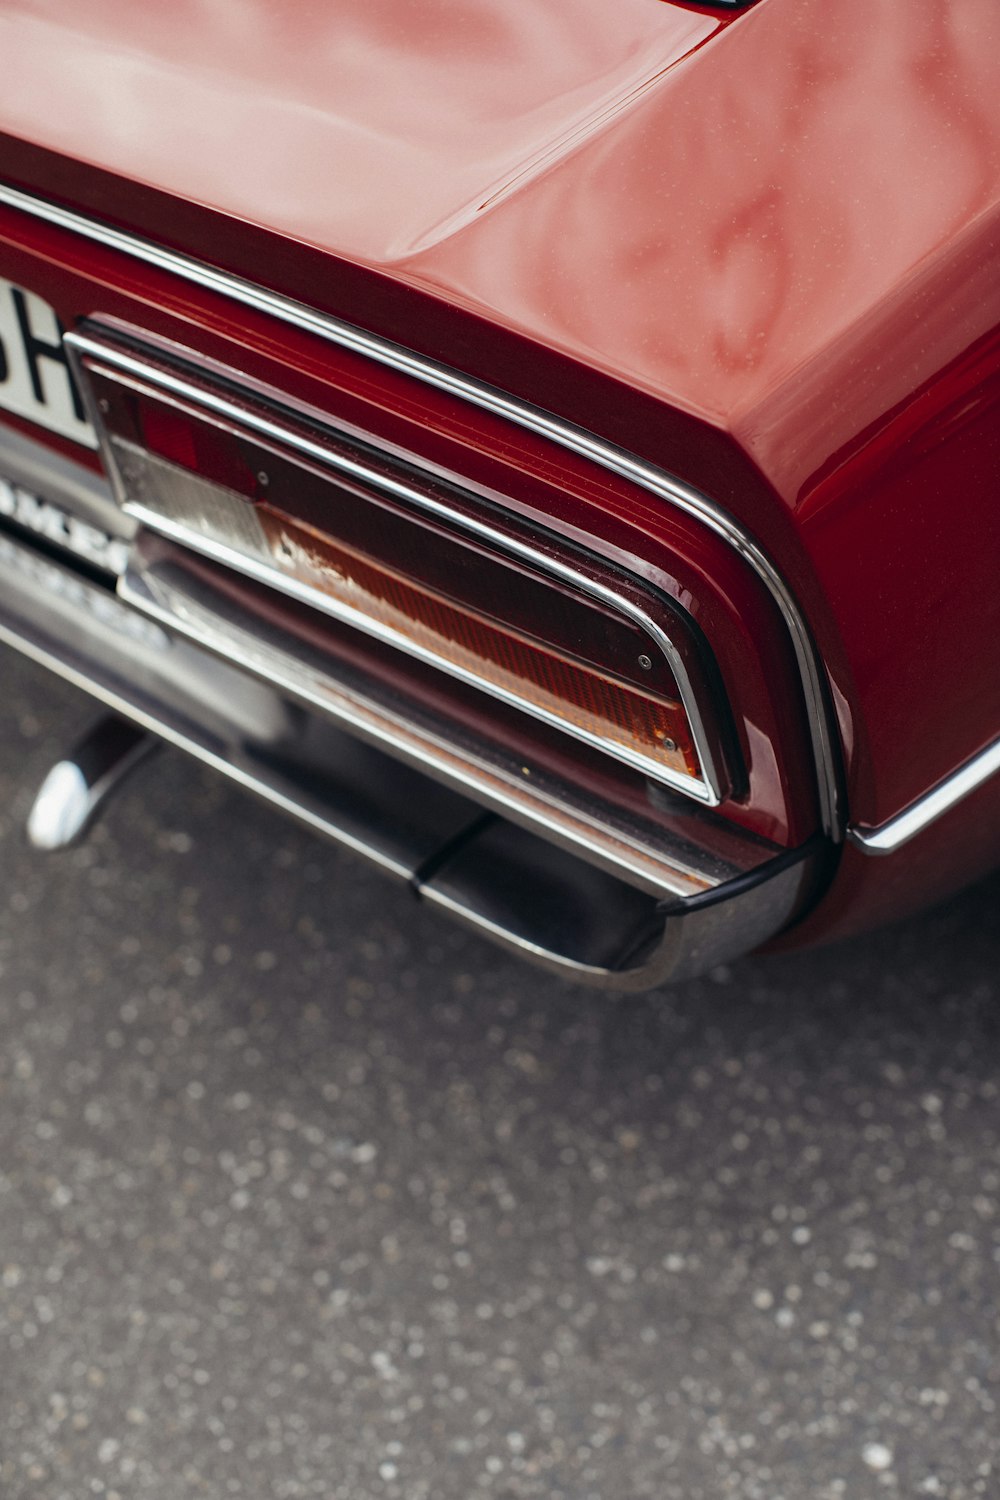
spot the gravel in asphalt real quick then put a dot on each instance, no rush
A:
(305, 1193)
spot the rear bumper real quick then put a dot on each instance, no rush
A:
(591, 893)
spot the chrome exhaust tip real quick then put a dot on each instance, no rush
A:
(79, 785)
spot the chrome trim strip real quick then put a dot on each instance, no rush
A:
(620, 850)
(85, 346)
(905, 826)
(532, 419)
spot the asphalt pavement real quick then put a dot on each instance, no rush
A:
(306, 1193)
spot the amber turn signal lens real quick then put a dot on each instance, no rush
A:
(493, 655)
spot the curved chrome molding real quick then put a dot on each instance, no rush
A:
(927, 809)
(532, 419)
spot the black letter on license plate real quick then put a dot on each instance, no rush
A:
(37, 349)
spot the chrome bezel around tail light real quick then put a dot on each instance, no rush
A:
(211, 517)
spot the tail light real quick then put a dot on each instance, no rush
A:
(405, 556)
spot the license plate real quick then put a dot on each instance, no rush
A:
(35, 377)
(44, 576)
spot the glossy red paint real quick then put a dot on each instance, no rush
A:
(371, 130)
(758, 249)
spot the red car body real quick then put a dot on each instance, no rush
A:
(708, 294)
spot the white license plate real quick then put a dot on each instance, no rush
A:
(35, 378)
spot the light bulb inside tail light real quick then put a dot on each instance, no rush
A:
(406, 557)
